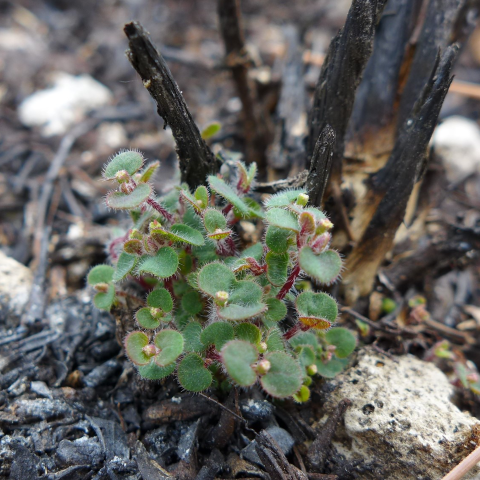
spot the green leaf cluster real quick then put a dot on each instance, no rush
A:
(214, 313)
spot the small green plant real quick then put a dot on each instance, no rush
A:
(212, 311)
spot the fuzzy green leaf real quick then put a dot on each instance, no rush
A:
(241, 312)
(238, 357)
(284, 377)
(218, 334)
(254, 209)
(255, 251)
(153, 372)
(180, 233)
(191, 334)
(215, 277)
(186, 195)
(277, 268)
(275, 341)
(202, 196)
(248, 332)
(210, 130)
(317, 310)
(130, 161)
(100, 274)
(163, 265)
(147, 174)
(134, 345)
(227, 192)
(304, 338)
(104, 300)
(343, 339)
(192, 374)
(124, 266)
(170, 343)
(186, 234)
(282, 219)
(324, 268)
(244, 301)
(214, 220)
(192, 302)
(160, 298)
(318, 214)
(277, 310)
(283, 199)
(145, 319)
(331, 368)
(306, 355)
(128, 201)
(277, 239)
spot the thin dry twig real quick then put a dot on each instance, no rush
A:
(237, 59)
(464, 466)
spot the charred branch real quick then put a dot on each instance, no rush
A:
(372, 127)
(320, 165)
(340, 76)
(288, 146)
(238, 60)
(394, 183)
(195, 157)
(446, 22)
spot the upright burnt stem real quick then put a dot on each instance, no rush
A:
(341, 73)
(237, 58)
(395, 181)
(446, 21)
(320, 165)
(195, 157)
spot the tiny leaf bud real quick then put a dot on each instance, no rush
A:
(221, 298)
(150, 350)
(302, 199)
(263, 367)
(312, 369)
(101, 287)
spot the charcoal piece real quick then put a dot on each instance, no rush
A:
(123, 395)
(149, 469)
(42, 440)
(132, 418)
(213, 466)
(105, 350)
(112, 438)
(41, 389)
(103, 373)
(162, 444)
(284, 440)
(177, 408)
(256, 410)
(40, 409)
(24, 463)
(187, 444)
(83, 451)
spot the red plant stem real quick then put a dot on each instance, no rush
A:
(227, 209)
(298, 327)
(168, 284)
(231, 244)
(212, 354)
(141, 281)
(160, 209)
(114, 243)
(289, 283)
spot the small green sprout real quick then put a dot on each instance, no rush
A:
(208, 302)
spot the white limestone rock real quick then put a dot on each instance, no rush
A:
(401, 421)
(56, 109)
(15, 285)
(457, 141)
